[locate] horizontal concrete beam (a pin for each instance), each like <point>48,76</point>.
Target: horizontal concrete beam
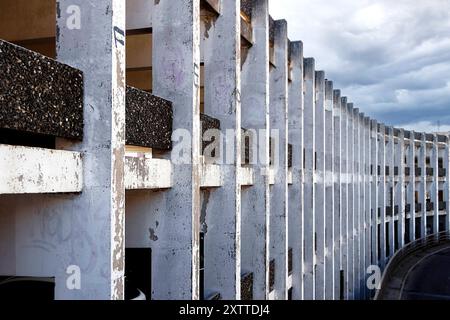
<point>290,177</point>
<point>211,176</point>
<point>246,176</point>
<point>142,173</point>
<point>25,170</point>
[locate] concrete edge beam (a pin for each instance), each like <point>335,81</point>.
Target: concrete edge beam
<point>26,170</point>
<point>147,174</point>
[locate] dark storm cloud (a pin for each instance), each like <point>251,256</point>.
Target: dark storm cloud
<point>391,58</point>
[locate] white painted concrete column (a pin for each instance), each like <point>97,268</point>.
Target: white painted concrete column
<point>374,185</point>
<point>411,196</point>
<point>368,202</point>
<point>308,195</point>
<point>222,208</point>
<point>423,185</point>
<point>337,180</point>
<point>446,161</point>
<point>295,219</point>
<point>255,115</point>
<point>374,188</point>
<point>96,217</point>
<point>390,191</point>
<point>279,191</point>
<point>400,188</point>
<point>169,222</point>
<point>351,201</point>
<point>345,190</point>
<point>356,202</point>
<point>434,192</point>
<point>382,193</point>
<point>319,196</point>
<point>390,153</point>
<point>361,211</point>
<point>330,215</point>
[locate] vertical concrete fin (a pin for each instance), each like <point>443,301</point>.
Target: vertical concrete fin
<point>102,60</point>
<point>279,104</point>
<point>309,169</point>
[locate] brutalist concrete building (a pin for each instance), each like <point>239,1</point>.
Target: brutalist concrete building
<point>108,111</point>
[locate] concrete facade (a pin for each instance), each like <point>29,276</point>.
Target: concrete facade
<point>302,197</point>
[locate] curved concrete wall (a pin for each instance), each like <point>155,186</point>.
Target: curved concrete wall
<point>331,194</point>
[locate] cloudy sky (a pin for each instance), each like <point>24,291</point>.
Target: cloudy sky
<point>391,58</point>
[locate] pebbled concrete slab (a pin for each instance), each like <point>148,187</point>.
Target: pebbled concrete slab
<point>208,123</point>
<point>148,120</point>
<point>39,94</point>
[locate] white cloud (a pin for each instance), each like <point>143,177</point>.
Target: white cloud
<point>426,126</point>
<point>391,58</point>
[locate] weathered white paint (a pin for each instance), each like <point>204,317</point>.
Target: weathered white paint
<point>290,177</point>
<point>362,206</point>
<point>146,174</point>
<point>102,60</point>
<point>279,104</point>
<point>332,202</point>
<point>390,194</point>
<point>211,176</point>
<point>319,195</point>
<point>446,160</point>
<point>382,193</point>
<point>351,200</point>
<point>329,194</point>
<point>246,176</point>
<point>411,191</point>
<point>361,213</point>
<point>345,190</point>
<point>423,185</point>
<point>255,114</point>
<point>308,195</point>
<point>222,65</point>
<point>295,174</point>
<point>374,191</point>
<point>271,176</point>
<point>434,192</point>
<point>356,201</point>
<point>337,179</point>
<point>400,188</point>
<point>176,212</point>
<point>289,282</point>
<point>368,204</point>
<point>25,170</point>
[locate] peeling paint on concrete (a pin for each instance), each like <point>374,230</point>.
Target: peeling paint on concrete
<point>146,174</point>
<point>35,170</point>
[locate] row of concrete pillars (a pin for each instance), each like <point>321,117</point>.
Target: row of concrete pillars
<point>354,193</point>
